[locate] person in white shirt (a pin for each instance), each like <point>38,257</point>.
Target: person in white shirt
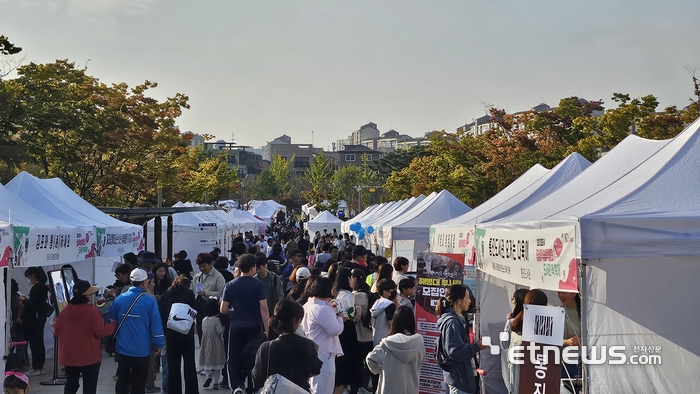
<point>262,245</point>
<point>207,283</point>
<point>400,269</point>
<point>323,325</point>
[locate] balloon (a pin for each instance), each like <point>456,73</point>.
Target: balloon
<point>361,236</point>
<point>370,230</point>
<point>355,227</point>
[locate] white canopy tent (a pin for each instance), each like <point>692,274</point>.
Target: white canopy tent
<point>194,232</point>
<point>246,222</point>
<point>55,199</point>
<point>264,210</point>
<point>415,223</point>
<point>36,239</point>
<point>324,221</point>
<point>345,227</point>
<point>273,203</point>
<point>387,212</point>
<point>633,221</point>
<point>457,235</point>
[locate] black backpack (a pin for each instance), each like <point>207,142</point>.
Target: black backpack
<point>441,358</point>
<point>367,317</point>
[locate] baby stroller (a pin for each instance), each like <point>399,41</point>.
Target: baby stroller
<point>18,358</point>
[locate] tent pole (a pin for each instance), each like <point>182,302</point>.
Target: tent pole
<point>8,295</point>
<point>170,239</point>
<point>584,320</point>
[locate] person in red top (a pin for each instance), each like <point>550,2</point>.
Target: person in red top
<point>80,329</point>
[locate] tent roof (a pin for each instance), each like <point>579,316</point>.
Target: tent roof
<point>641,199</point>
<point>57,200</point>
<point>326,217</point>
<point>442,206</point>
<point>532,186</point>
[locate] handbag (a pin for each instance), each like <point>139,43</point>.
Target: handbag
<point>111,344</point>
<point>278,384</point>
<point>181,318</point>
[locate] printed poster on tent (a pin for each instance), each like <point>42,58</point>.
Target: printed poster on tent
<point>543,258</point>
<point>87,245</point>
<point>436,272</point>
<point>454,240</point>
<point>404,248</point>
<point>6,242</point>
<point>42,246</point>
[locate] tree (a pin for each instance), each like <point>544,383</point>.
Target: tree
<point>274,183</point>
<point>397,160</point>
<point>319,174</point>
<point>111,144</point>
<point>202,173</point>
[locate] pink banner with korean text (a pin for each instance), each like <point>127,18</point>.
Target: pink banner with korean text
<point>542,258</point>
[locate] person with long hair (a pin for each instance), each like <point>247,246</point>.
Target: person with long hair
<point>180,347</point>
<point>34,317</point>
<point>398,357</point>
<point>572,328</point>
<point>454,338</point>
<point>323,326</point>
<point>533,297</point>
<point>160,279</point>
<point>363,328</point>
<point>273,357</point>
<point>516,302</point>
<point>80,328</point>
<point>386,271</point>
<point>346,371</point>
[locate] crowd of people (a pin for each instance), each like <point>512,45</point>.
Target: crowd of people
<point>320,312</point>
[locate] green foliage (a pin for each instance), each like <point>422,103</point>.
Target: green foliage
<point>319,174</point>
<point>274,183</point>
<point>8,48</point>
<point>201,174</point>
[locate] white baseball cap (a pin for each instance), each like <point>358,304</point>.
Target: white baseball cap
<point>138,275</point>
<point>303,273</point>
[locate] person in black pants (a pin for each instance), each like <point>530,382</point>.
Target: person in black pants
<point>180,346</point>
<point>245,301</point>
<point>34,318</point>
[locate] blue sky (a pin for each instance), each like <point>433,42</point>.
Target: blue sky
<point>259,69</point>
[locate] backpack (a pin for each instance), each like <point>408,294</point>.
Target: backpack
<point>367,317</point>
<point>441,358</point>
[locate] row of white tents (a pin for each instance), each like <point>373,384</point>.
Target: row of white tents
<point>200,231</point>
<point>623,232</point>
<point>406,220</point>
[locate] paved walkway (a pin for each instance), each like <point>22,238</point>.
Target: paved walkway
<point>105,383</point>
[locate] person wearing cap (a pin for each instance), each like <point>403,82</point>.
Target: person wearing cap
<point>80,328</point>
<point>140,335</point>
<point>359,258</point>
<point>302,274</point>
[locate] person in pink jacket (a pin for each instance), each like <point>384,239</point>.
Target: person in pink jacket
<point>323,325</point>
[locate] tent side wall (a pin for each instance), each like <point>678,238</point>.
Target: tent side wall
<point>644,302</point>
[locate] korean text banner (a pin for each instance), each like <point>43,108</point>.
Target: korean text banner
<point>436,273</point>
<point>454,239</point>
<point>543,259</point>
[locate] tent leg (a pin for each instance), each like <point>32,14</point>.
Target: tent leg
<point>169,239</point>
<point>584,320</point>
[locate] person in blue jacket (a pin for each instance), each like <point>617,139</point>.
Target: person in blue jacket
<point>140,335</point>
<point>454,336</point>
